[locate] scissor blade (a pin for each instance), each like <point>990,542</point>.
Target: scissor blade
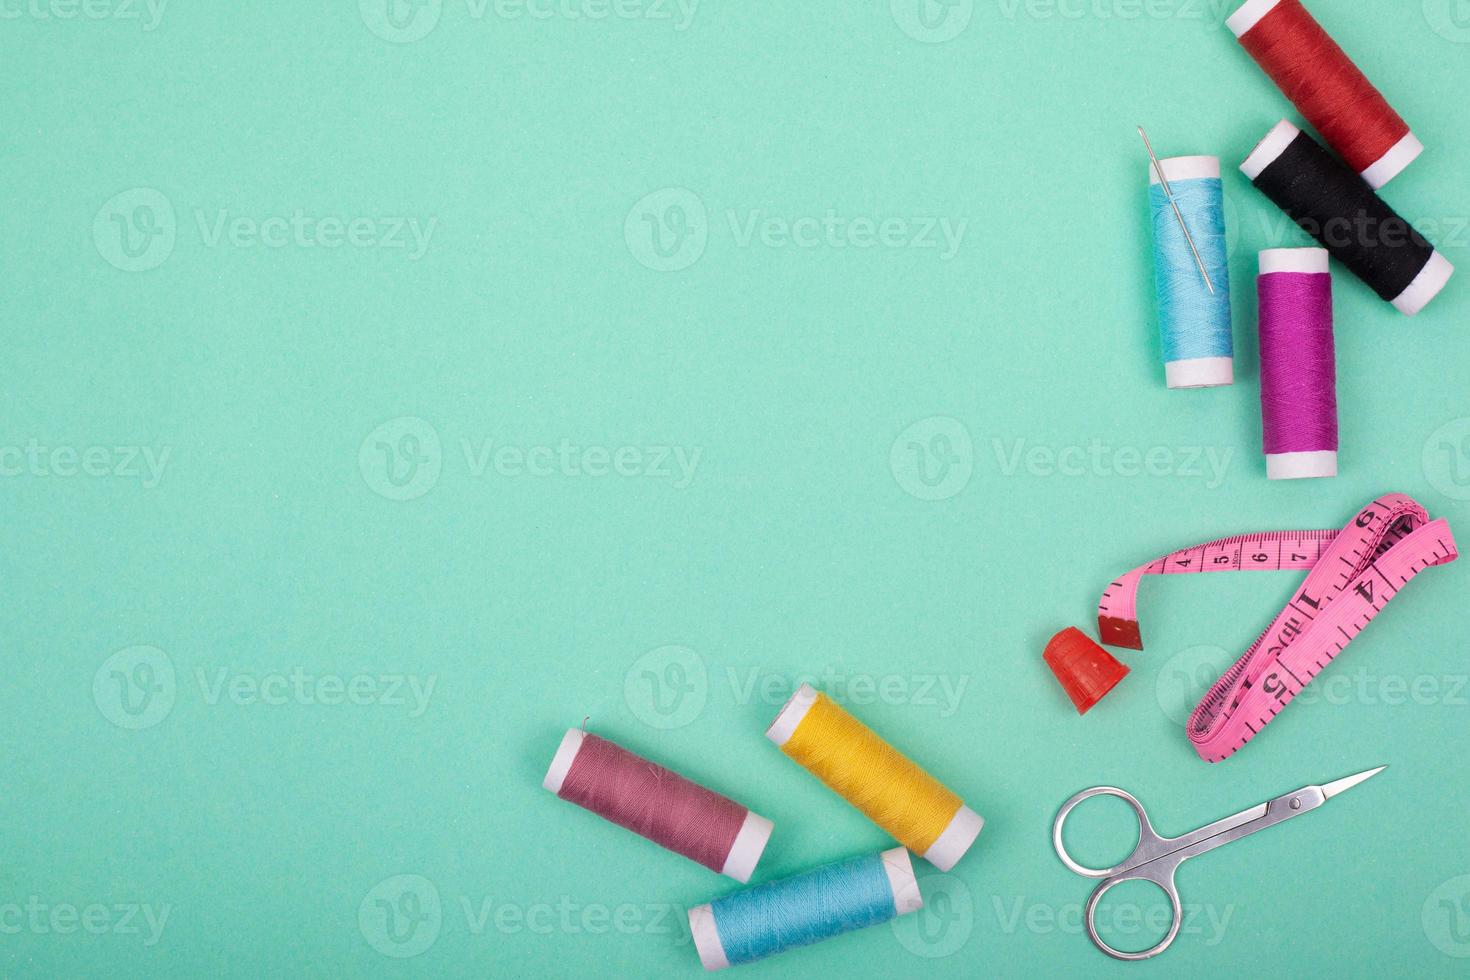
<point>1348,782</point>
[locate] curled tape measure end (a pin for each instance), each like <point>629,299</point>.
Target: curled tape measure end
<point>1119,632</point>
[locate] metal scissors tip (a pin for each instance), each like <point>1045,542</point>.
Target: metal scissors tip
<point>1348,782</point>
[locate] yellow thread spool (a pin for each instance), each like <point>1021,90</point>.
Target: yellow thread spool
<point>873,776</point>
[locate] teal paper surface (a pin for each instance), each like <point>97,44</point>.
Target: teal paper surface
<point>389,386</point>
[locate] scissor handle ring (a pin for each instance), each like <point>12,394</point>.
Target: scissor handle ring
<point>1118,954</point>
<point>1145,831</point>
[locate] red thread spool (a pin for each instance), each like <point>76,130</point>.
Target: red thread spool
<point>658,803</point>
<point>1329,90</point>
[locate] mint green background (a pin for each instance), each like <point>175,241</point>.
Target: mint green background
<point>794,550</point>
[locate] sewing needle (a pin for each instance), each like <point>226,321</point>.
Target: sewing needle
<point>1169,193</point>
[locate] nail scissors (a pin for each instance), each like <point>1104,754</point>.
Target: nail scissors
<point>1156,858</point>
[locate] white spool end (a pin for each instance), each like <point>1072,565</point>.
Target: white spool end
<point>1392,163</point>
<point>900,870</point>
<point>707,938</point>
<point>791,715</point>
<point>1186,168</point>
<point>1200,372</point>
<point>561,763</point>
<point>1269,149</point>
<point>1426,285</point>
<point>1301,466</point>
<point>1309,261</point>
<point>1248,15</point>
<point>749,844</point>
<point>956,839</point>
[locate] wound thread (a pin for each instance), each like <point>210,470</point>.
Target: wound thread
<point>1298,364</point>
<point>892,791</point>
<point>804,909</point>
<point>1329,90</point>
<point>1334,206</point>
<point>1194,324</point>
<point>659,804</point>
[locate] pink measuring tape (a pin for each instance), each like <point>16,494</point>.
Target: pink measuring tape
<point>1354,572</point>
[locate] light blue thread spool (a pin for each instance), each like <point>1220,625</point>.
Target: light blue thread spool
<point>1194,325</point>
<point>805,908</point>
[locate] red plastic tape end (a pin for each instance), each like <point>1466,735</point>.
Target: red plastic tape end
<point>1120,632</point>
<point>1085,670</point>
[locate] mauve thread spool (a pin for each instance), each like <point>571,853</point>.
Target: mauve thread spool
<point>1298,364</point>
<point>1329,90</point>
<point>1335,206</point>
<point>658,804</point>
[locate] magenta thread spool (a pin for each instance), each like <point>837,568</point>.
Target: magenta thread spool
<point>1298,364</point>
<point>658,804</point>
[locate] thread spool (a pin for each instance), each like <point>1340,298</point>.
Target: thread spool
<point>805,908</point>
<point>1329,90</point>
<point>657,803</point>
<point>873,776</point>
<point>1298,364</point>
<point>1194,324</point>
<point>1348,218</point>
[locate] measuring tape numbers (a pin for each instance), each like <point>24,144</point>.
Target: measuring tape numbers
<point>1353,574</point>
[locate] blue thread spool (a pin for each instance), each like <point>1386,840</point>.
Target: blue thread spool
<point>805,908</point>
<point>1194,326</point>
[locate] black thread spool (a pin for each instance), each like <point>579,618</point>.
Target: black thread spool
<point>1339,209</point>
